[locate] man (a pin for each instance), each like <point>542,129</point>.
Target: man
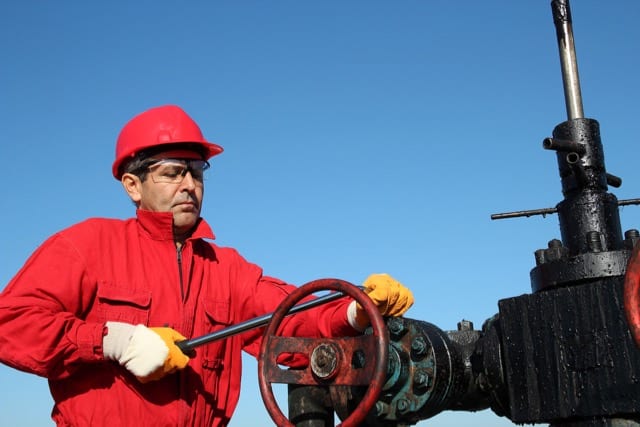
<point>97,309</point>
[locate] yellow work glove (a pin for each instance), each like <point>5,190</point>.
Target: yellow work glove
<point>390,296</point>
<point>175,360</point>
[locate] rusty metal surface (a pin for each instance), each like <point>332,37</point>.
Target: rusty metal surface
<point>632,294</point>
<point>343,373</point>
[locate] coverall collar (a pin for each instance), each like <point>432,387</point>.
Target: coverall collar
<point>159,226</point>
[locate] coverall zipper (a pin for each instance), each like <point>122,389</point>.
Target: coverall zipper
<point>179,256</point>
<point>180,378</point>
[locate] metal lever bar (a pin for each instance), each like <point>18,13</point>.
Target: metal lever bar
<point>187,346</point>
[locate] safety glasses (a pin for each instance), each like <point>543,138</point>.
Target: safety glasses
<point>173,171</point>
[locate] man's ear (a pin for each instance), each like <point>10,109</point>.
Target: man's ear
<point>133,186</point>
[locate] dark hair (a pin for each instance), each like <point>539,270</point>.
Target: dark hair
<point>137,166</point>
<point>140,162</point>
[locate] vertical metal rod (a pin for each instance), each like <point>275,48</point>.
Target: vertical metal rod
<point>571,82</point>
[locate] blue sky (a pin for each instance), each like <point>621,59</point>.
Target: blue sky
<point>360,136</point>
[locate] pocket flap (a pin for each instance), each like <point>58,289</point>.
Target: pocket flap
<point>118,295</point>
<point>217,311</point>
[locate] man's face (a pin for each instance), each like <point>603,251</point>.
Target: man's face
<point>172,185</point>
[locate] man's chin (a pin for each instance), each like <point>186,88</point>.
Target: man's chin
<point>185,221</point>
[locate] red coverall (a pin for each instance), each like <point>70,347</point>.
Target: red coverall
<point>52,317</point>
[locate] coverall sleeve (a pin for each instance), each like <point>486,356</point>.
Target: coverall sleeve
<point>41,330</point>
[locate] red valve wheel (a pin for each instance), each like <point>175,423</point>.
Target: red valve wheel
<point>330,359</point>
<point>632,293</point>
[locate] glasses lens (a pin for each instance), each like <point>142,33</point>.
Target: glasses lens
<point>173,171</point>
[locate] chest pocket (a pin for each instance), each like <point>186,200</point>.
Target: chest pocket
<point>122,304</point>
<point>217,317</point>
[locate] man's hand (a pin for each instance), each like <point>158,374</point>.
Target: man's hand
<point>390,296</point>
<point>148,353</point>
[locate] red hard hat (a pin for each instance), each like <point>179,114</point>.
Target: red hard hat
<point>168,124</point>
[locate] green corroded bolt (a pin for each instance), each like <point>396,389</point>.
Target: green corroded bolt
<point>402,405</point>
<point>396,326</point>
<point>419,346</point>
<point>421,379</point>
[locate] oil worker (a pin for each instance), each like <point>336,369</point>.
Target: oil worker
<point>98,307</point>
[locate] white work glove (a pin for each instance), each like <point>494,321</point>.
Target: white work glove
<point>390,296</point>
<point>148,353</point>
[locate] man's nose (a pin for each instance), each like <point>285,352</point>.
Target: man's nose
<point>188,182</point>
